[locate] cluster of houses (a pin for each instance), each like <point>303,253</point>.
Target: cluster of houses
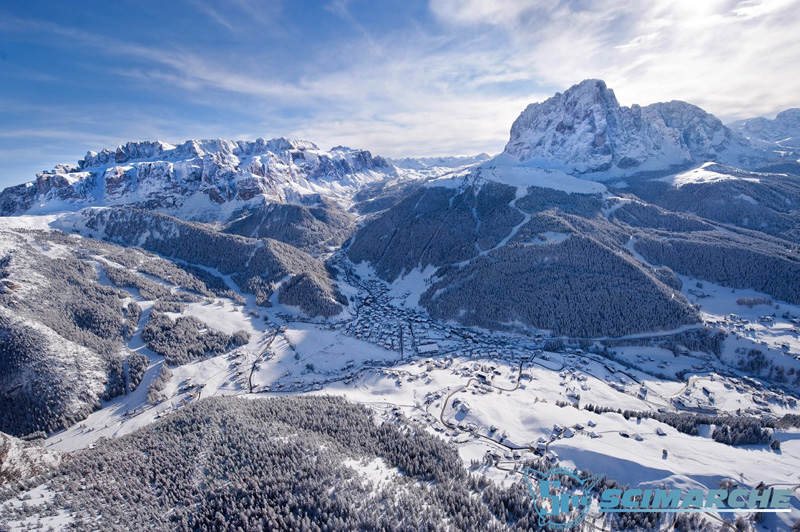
<point>412,333</point>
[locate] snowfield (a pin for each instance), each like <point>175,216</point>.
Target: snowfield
<point>704,174</point>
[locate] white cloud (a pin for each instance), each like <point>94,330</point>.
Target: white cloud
<point>504,12</point>
<point>459,127</point>
<point>411,92</point>
<point>733,58</point>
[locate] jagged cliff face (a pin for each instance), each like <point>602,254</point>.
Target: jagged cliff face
<point>584,130</point>
<point>196,175</point>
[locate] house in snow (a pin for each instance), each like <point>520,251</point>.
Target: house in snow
<point>541,448</point>
<point>426,349</point>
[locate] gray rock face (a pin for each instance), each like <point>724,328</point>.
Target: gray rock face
<point>585,130</point>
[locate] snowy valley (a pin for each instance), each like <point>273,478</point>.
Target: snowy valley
<point>618,293</point>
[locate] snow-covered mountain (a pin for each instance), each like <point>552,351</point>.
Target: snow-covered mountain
<point>783,130</point>
<point>204,179</point>
<point>533,219</point>
<point>209,180</point>
<point>584,130</point>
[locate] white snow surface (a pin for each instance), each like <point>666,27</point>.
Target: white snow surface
<point>706,173</point>
<point>290,356</point>
<point>505,169</point>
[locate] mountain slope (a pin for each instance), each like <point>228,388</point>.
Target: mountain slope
<point>61,339</point>
<point>765,201</point>
<point>528,257</point>
<point>20,460</point>
<point>314,227</point>
<point>256,266</point>
<point>526,241</point>
<point>288,190</point>
<point>290,463</point>
<point>73,315</point>
<point>432,163</point>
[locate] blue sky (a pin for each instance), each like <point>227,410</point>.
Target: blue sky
<point>399,78</point>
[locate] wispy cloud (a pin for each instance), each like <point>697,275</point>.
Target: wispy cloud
<point>397,98</point>
<point>187,69</point>
<point>241,16</point>
<point>730,57</point>
<point>213,14</point>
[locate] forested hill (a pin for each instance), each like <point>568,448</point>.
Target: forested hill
<point>292,463</point>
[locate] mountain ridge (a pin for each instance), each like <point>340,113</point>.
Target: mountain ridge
<point>210,179</point>
<point>583,131</point>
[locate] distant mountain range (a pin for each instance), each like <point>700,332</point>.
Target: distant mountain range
<point>197,179</point>
<point>582,132</point>
<point>783,131</point>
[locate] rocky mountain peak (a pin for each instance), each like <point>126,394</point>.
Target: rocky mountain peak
<point>585,130</point>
